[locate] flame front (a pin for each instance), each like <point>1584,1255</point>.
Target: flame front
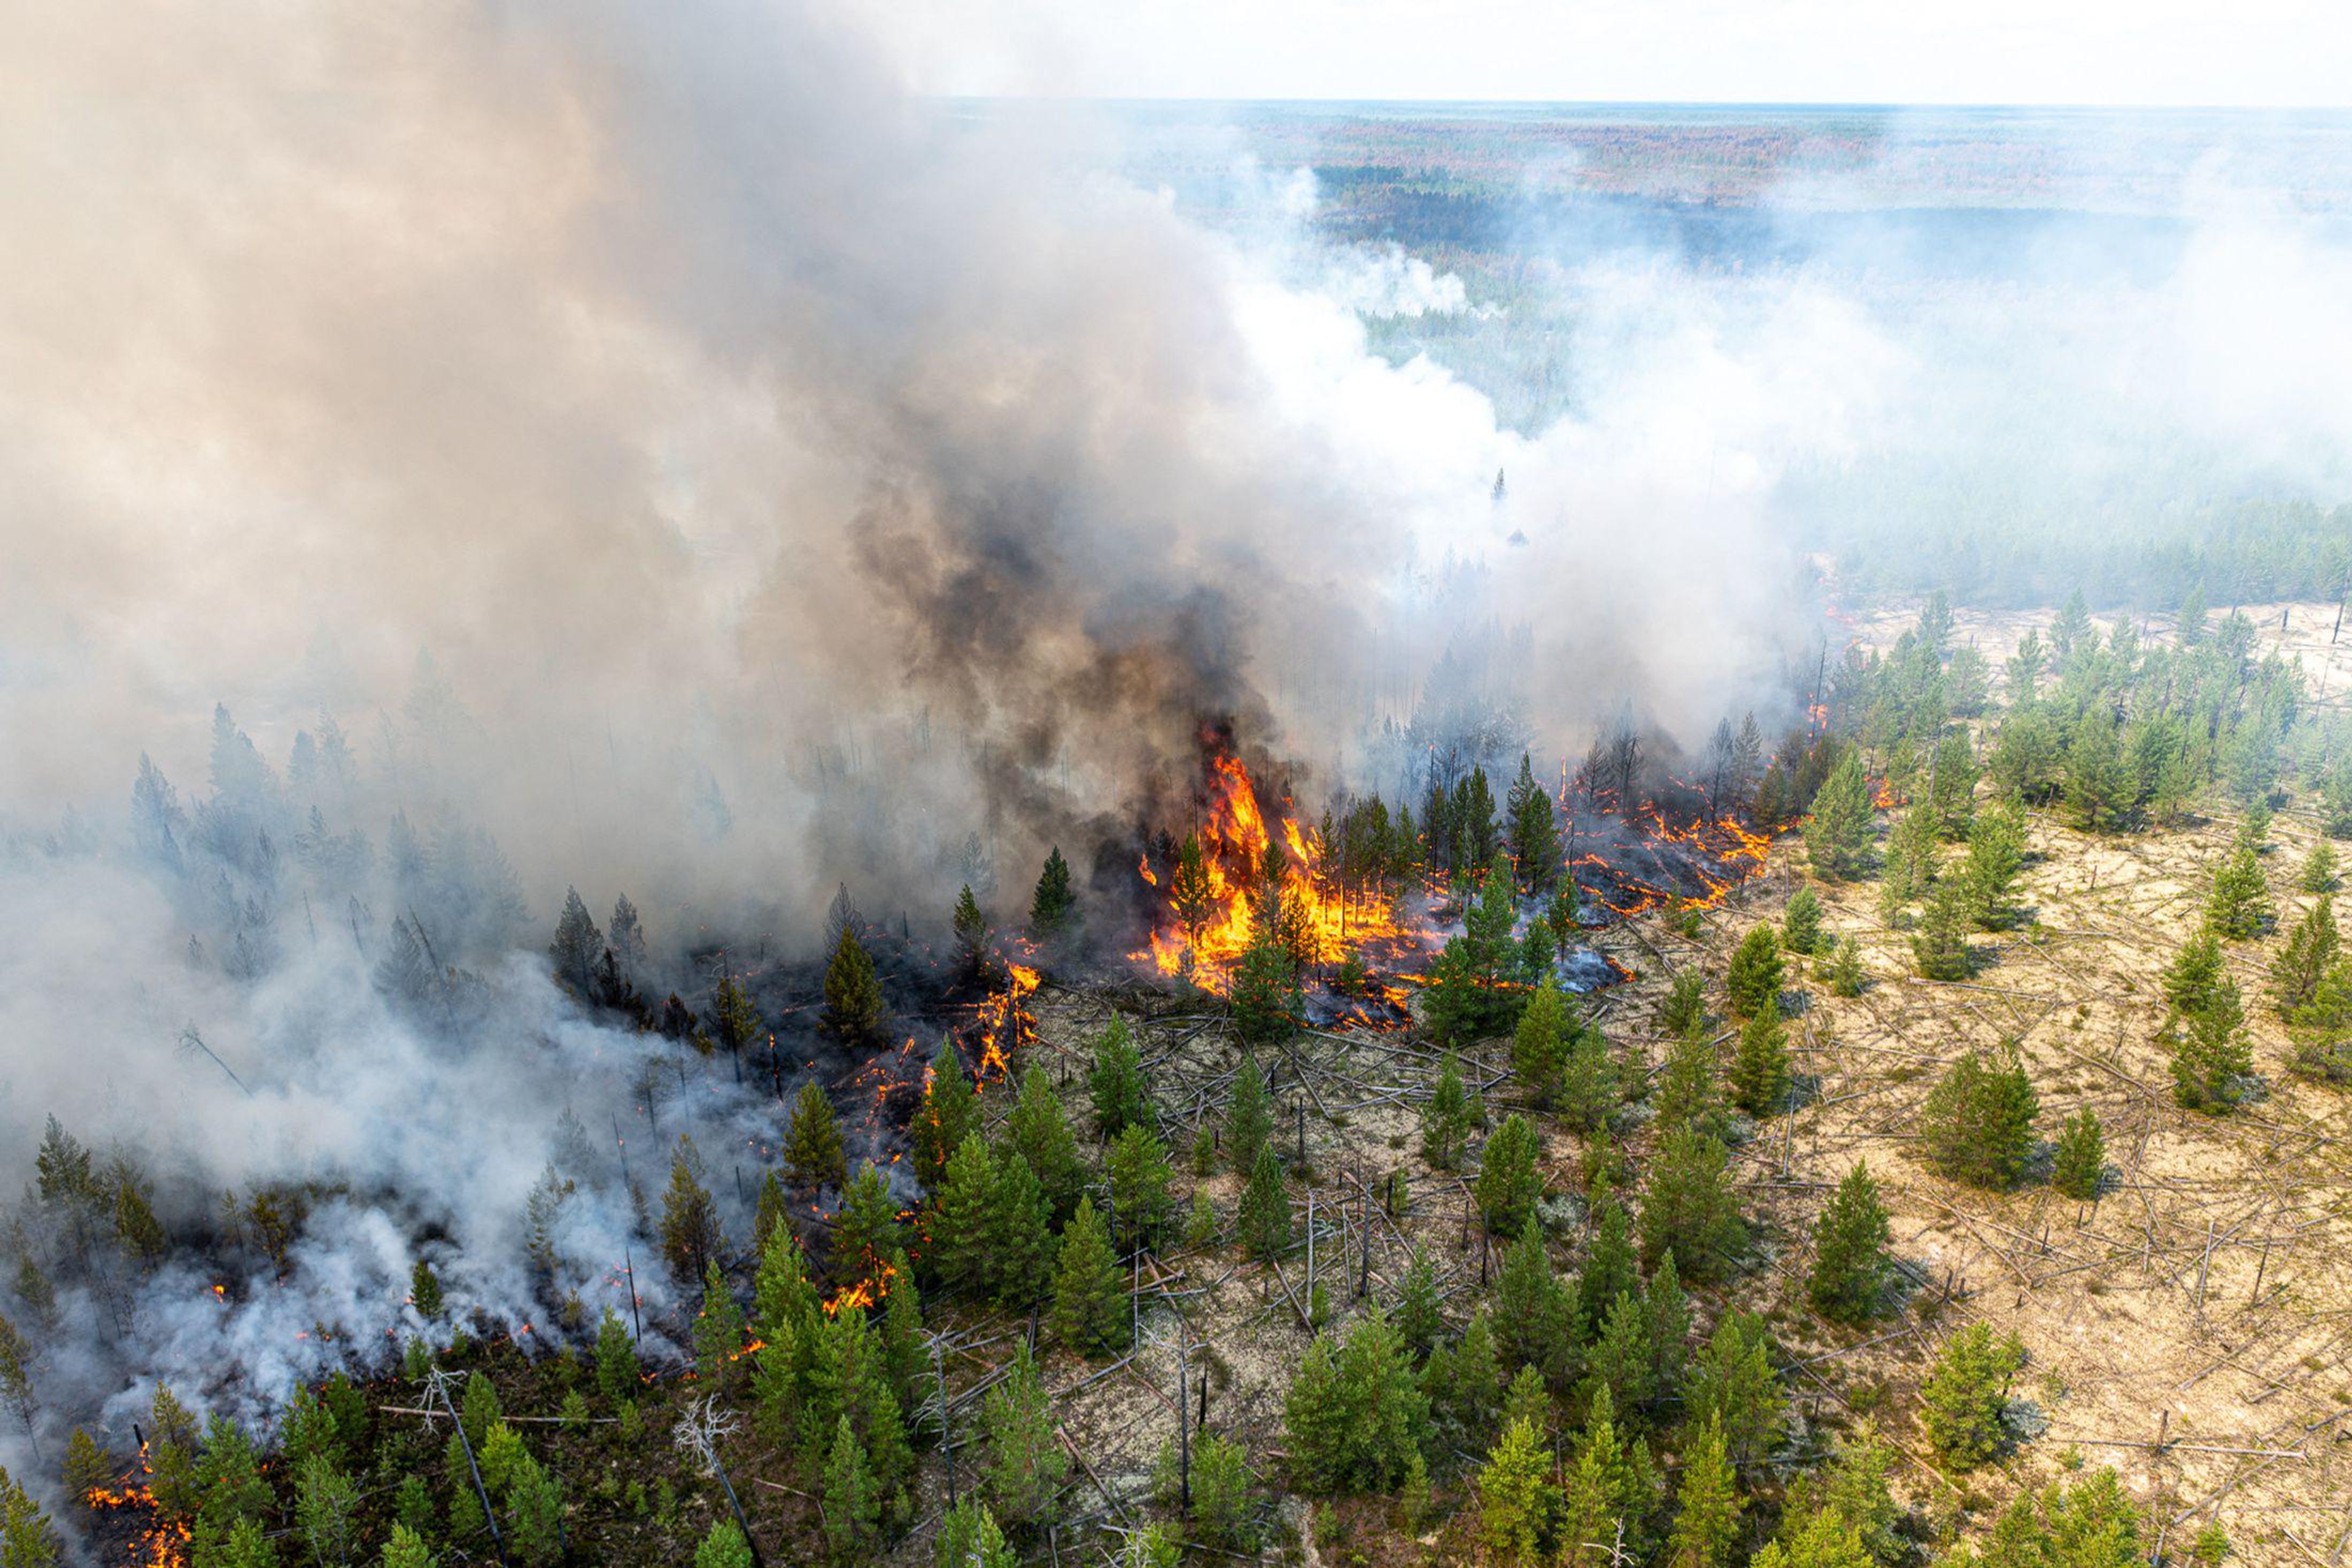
<point>1329,918</point>
<point>161,1542</point>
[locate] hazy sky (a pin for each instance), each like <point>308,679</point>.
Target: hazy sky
<point>2268,53</point>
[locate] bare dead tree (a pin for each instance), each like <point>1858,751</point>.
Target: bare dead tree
<point>697,1433</point>
<point>192,1043</point>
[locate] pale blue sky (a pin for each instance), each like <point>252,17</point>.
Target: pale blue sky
<point>2265,53</point>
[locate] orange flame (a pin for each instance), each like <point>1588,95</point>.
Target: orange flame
<point>1329,917</point>
<point>162,1543</point>
<point>866,1292</point>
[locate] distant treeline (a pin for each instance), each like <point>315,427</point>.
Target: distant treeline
<point>2251,552</point>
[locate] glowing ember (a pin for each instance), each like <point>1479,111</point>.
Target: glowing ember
<point>162,1543</point>
<point>1717,855</point>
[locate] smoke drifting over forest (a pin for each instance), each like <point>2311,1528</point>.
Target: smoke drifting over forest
<point>685,465</point>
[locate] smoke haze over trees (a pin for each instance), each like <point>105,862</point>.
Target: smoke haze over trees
<point>456,457</point>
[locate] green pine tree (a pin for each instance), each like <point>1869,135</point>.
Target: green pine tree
<point>325,1500</point>
<point>690,1236</point>
<point>2322,1028</point>
<point>852,1502</point>
<point>2082,1159</point>
<point>1609,1268</point>
<point>865,1229</point>
<point>87,1466</point>
<point>616,1361</point>
<point>2303,961</point>
<point>1538,1052</point>
<point>1249,1116</point>
<point>1707,1505</point>
<point>940,1121</point>
<point>1265,1000</point>
<point>904,1351</point>
<point>1515,1496</point>
<point>2212,1057</point>
<point>1989,873</point>
<point>1848,1284</point>
<point>1976,1124</point>
<point>1853,1488</point>
<point>1760,1072</point>
<point>813,1152</point>
<point>1447,1118</point>
<point>734,1021</point>
<point>1464,1382</point>
<point>1964,1396</point>
<point>854,1010</point>
<point>717,1329</point>
<point>1089,1303</point>
<point>1608,1493</point>
<point>1822,1540</point>
<point>1941,948</point>
<point>2319,871</point>
<point>1534,836</point>
<point>247,1546</point>
<point>971,928</point>
<point>1220,1494</point>
<point>1912,863</point>
<point>1839,834</point>
<point>1355,1416</point>
<point>2238,907</point>
<point>1845,975</point>
<point>1535,1311</point>
<point>1800,923</point>
<point>1138,1173</point>
<point>969,1538</point>
<point>1690,1208</point>
<point>405,1548</point>
<point>1472,994</point>
<point>1690,1088</point>
<point>723,1547</point>
<point>1589,1088</point>
<point>1038,1129</point>
<point>1420,1315</point>
<point>2191,980</point>
<point>1019,1241</point>
<point>1754,980</point>
<point>1952,804</point>
<point>425,1290</point>
<point>1114,1082</point>
<point>1054,907</point>
<point>1025,1465</point>
<point>27,1539</point>
<point>1508,1183</point>
<point>1734,1385</point>
<point>959,1223</point>
<point>1264,1220</point>
<point>535,1514</point>
<point>2100,790</point>
<point>1683,1010</point>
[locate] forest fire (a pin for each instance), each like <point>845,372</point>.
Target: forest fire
<point>1213,893</point>
<point>1232,875</point>
<point>1653,864</point>
<point>1004,1026</point>
<point>866,1292</point>
<point>156,1542</point>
